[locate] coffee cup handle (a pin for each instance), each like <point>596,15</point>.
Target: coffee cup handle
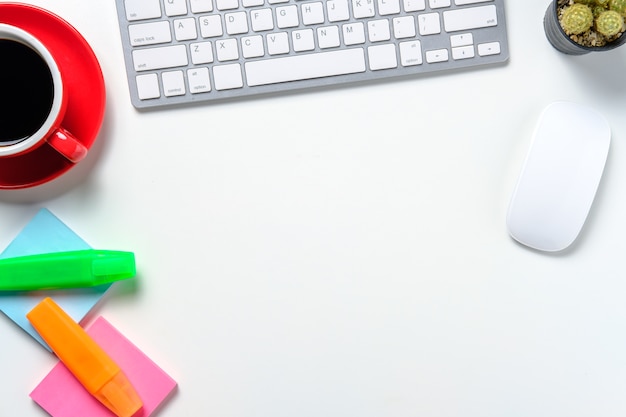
<point>67,145</point>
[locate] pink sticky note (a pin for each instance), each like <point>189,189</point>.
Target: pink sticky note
<point>61,395</point>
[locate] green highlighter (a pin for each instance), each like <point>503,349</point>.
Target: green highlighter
<point>61,270</point>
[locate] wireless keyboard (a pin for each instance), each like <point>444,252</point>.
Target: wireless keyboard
<point>184,51</point>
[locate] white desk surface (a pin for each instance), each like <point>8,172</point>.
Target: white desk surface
<point>344,252</point>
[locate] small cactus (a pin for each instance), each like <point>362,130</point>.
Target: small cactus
<point>605,18</point>
<point>619,6</point>
<point>609,23</point>
<point>577,18</point>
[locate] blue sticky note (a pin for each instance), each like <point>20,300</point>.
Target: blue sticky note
<point>45,233</point>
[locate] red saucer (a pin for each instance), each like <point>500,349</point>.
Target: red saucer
<point>81,72</point>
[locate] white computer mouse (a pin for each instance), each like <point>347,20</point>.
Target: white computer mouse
<point>560,177</point>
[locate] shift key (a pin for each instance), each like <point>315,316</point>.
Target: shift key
<point>470,18</point>
<point>158,58</point>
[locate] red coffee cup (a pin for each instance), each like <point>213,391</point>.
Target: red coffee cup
<point>34,102</point>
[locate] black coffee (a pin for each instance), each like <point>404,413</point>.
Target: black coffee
<point>26,92</point>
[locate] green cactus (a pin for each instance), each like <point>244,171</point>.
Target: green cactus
<point>609,23</point>
<point>577,19</point>
<point>597,11</point>
<point>605,17</point>
<point>619,6</point>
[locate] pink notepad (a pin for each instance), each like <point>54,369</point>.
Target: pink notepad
<point>61,395</point>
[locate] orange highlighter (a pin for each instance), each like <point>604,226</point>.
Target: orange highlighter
<point>93,368</point>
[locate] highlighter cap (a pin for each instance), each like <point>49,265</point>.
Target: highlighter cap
<point>119,396</point>
<point>113,266</point>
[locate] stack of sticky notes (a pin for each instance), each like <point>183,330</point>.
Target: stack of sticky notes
<point>55,280</point>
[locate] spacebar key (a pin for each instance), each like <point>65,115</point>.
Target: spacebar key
<point>304,67</point>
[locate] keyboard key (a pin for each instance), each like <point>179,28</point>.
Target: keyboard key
<point>201,53</point>
<point>313,13</point>
<point>414,5</point>
<point>410,53</point>
<point>491,48</point>
<point>363,8</point>
<point>236,23</point>
<point>278,43</point>
<point>471,18</point>
<point>464,2</point>
<point>353,33</point>
<point>463,52</point>
<point>252,46</point>
<point>199,81</point>
<point>463,39</point>
<point>404,27</point>
<point>387,7</point>
<point>302,67</point>
<point>302,40</point>
<point>211,26</point>
<point>337,10</point>
<point>201,6</point>
<point>328,37</point>
<point>437,55</point>
<point>142,9</point>
<point>287,17</point>
<point>148,86</point>
<point>382,57</point>
<point>429,24</point>
<point>262,19</point>
<point>378,30</point>
<point>227,50</point>
<point>173,83</point>
<point>149,33</point>
<point>185,29</point>
<point>227,77</point>
<point>438,4</point>
<point>175,7</point>
<point>227,4</point>
<point>157,58</point>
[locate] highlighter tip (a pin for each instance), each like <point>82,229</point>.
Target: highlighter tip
<point>120,397</point>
